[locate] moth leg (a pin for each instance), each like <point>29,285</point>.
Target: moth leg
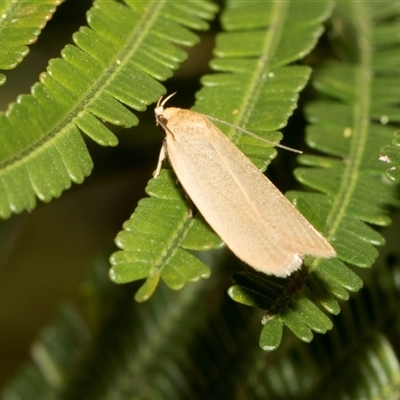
<point>161,158</point>
<point>192,207</point>
<point>163,155</point>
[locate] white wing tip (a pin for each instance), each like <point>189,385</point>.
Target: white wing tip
<point>293,263</point>
<point>283,270</point>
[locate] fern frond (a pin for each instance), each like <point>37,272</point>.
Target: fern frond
<point>344,125</point>
<point>115,63</point>
<point>255,90</point>
<point>20,25</point>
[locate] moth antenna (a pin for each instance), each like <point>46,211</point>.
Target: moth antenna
<point>165,100</point>
<point>252,134</point>
<point>161,103</point>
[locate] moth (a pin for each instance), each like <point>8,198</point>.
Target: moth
<point>254,219</point>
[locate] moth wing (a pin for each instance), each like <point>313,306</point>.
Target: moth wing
<point>245,209</point>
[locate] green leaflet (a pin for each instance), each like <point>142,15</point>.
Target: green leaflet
<point>156,246</point>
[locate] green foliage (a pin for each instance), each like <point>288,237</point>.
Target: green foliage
<point>340,127</point>
<point>142,352</point>
<point>196,343</point>
<point>345,125</point>
<point>255,90</point>
<point>156,240</point>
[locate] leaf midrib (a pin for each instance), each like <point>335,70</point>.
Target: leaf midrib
<point>361,111</point>
<point>272,38</point>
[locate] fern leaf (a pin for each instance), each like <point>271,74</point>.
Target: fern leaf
<point>20,25</point>
<point>354,192</point>
<point>350,187</point>
<point>255,90</point>
<point>157,247</point>
<point>115,64</point>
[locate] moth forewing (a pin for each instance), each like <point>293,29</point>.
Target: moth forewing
<point>254,219</point>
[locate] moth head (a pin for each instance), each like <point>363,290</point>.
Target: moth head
<point>159,110</point>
